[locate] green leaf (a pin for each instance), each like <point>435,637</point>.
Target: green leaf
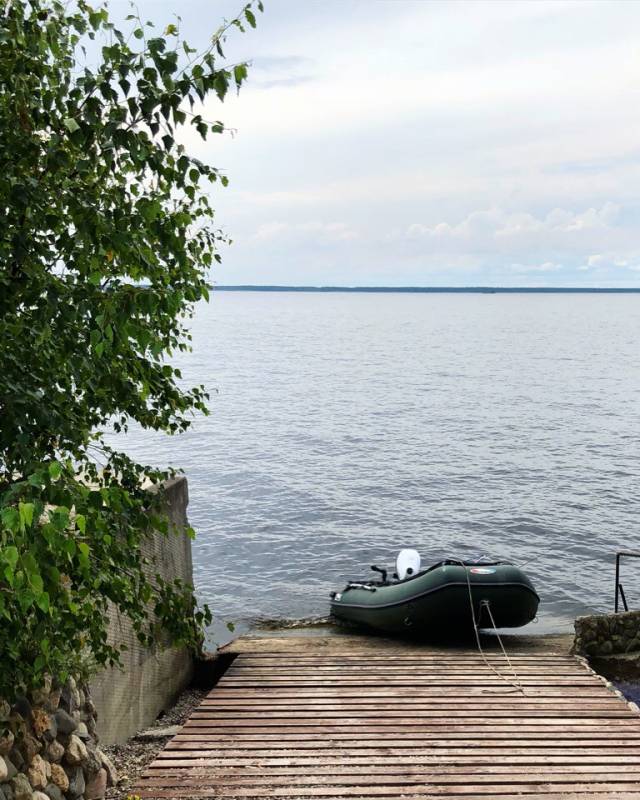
<point>55,470</point>
<point>43,603</point>
<point>71,125</point>
<point>10,556</point>
<point>81,522</point>
<point>26,513</point>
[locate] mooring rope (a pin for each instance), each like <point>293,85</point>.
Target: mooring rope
<point>515,683</point>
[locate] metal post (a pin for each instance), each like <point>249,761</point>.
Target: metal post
<point>619,589</point>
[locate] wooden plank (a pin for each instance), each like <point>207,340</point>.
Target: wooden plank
<point>446,748</point>
<point>627,791</point>
<point>380,714</point>
<point>423,779</point>
<point>337,725</point>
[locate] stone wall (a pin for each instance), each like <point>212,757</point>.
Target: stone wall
<point>49,740</point>
<point>608,634</point>
<point>48,747</point>
<point>131,699</point>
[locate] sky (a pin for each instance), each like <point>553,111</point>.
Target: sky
<point>406,142</point>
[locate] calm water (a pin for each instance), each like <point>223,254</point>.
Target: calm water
<point>347,426</point>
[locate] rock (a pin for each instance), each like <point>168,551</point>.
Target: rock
<point>107,764</point>
<point>92,763</point>
<point>16,756</point>
<point>606,648</point>
<point>22,707</point>
<point>40,796</point>
<point>53,793</point>
<point>40,696</point>
<point>160,733</point>
<point>6,742</point>
<point>41,722</point>
<point>5,710</point>
<point>37,772</point>
<point>4,770</point>
<point>70,698</point>
<point>65,722</point>
<point>91,727</point>
<point>82,731</point>
<point>11,768</point>
<point>96,787</point>
<point>76,783</point>
<point>21,787</point>
<point>76,752</point>
<point>89,707</point>
<point>59,777</point>
<point>29,747</point>
<point>54,752</point>
<point>54,700</point>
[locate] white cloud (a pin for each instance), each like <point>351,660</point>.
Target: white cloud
<point>430,142</point>
<point>313,230</point>
<point>495,224</point>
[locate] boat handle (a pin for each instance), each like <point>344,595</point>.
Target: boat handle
<point>383,572</point>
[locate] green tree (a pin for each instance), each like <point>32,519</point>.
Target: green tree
<point>106,238</point>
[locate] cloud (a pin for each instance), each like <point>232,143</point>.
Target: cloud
<point>547,266</point>
<point>496,224</point>
<point>312,231</point>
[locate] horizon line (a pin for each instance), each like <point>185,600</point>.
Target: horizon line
<point>430,289</point>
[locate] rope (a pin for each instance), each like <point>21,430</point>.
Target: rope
<point>515,683</point>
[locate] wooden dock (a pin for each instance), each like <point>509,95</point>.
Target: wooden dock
<point>311,718</point>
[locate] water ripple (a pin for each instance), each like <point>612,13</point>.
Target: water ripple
<point>346,427</point>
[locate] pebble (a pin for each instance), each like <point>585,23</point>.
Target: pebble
<point>53,793</point>
<point>4,770</point>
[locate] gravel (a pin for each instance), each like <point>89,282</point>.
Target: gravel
<point>132,758</point>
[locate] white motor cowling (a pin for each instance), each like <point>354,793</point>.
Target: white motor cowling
<point>407,563</point>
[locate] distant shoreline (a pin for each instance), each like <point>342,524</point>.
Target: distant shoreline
<point>430,289</point>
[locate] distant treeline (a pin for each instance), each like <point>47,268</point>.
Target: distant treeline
<point>432,289</point>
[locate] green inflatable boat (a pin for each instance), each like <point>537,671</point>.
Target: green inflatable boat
<point>439,599</point>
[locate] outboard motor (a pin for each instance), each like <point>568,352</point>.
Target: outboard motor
<point>407,563</point>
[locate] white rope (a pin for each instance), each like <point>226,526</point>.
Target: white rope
<point>515,683</point>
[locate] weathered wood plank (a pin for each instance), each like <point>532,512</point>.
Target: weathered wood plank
<point>336,724</point>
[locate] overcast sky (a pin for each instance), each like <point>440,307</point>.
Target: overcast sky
<point>401,142</point>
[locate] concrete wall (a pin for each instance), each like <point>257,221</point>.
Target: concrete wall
<point>608,634</point>
<point>131,699</point>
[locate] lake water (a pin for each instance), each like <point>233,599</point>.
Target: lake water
<point>347,426</point>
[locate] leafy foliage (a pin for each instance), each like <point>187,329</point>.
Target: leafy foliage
<point>106,239</point>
